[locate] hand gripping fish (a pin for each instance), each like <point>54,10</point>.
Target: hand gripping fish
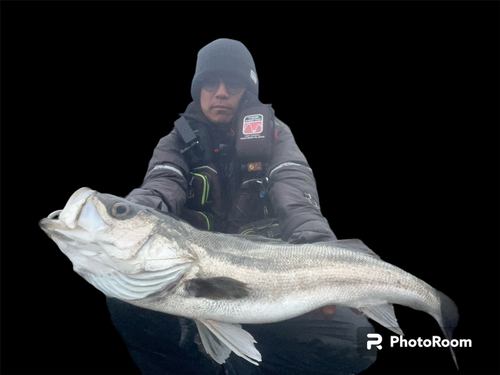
<point>155,261</point>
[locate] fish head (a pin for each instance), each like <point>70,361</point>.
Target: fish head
<point>104,235</point>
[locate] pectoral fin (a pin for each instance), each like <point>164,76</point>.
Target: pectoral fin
<point>383,314</point>
<point>128,287</point>
<point>219,339</point>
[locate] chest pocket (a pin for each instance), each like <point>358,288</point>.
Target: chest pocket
<point>197,210</point>
<point>205,191</point>
<point>199,190</point>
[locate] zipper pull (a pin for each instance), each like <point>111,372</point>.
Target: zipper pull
<point>311,200</point>
<point>263,186</point>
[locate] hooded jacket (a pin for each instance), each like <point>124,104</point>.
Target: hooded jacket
<point>291,189</point>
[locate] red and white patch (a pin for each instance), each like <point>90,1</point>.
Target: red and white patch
<point>253,124</point>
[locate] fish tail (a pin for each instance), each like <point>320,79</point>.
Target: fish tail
<point>448,319</point>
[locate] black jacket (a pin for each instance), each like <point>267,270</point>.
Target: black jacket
<point>291,188</point>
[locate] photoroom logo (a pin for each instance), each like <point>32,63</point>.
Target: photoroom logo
<point>376,340</point>
<point>369,342</point>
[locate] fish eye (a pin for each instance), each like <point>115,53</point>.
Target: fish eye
<point>120,210</point>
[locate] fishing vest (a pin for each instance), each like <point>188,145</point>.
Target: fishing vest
<point>248,210</point>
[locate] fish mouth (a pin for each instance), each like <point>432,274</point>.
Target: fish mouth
<point>76,212</point>
<point>74,230</point>
<point>81,234</point>
<point>74,206</point>
<point>70,211</point>
<point>73,226</point>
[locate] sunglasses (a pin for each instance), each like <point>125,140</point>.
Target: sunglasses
<point>234,86</point>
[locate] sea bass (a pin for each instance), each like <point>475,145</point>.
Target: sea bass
<point>156,261</point>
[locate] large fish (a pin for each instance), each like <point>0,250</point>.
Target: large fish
<point>155,261</point>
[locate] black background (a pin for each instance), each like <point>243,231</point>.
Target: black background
<point>395,106</point>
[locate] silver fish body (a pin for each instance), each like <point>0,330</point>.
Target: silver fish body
<point>155,261</point>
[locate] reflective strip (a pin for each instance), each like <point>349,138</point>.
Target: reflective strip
<point>167,167</point>
<point>288,164</point>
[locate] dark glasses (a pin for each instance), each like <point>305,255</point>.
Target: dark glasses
<point>234,86</point>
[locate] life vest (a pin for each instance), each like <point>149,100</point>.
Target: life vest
<point>206,206</point>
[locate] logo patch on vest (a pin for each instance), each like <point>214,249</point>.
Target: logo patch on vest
<point>253,125</point>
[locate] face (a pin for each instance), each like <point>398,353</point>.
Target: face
<point>220,99</point>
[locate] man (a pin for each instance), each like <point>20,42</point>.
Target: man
<point>231,166</point>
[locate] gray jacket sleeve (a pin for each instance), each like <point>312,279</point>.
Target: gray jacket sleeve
<point>293,192</point>
<point>165,185</point>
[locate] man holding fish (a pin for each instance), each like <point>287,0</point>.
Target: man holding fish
<point>229,165</point>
